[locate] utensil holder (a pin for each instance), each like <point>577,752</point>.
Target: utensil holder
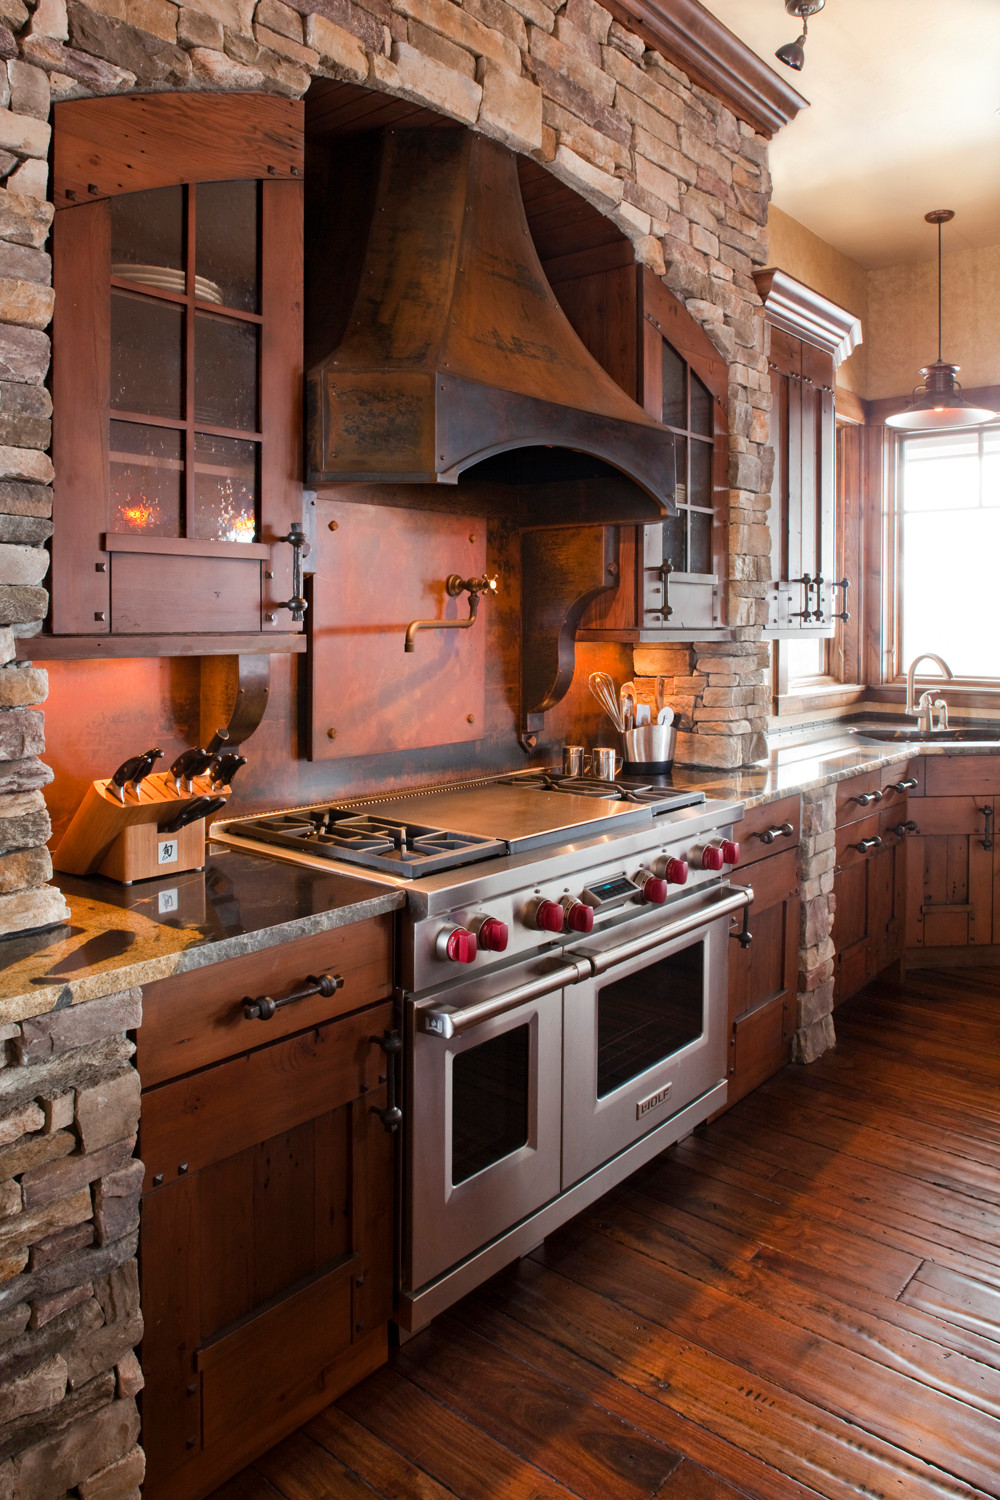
<point>649,749</point>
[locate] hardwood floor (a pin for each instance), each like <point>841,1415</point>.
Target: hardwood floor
<point>801,1299</point>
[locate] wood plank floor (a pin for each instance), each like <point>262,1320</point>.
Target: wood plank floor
<point>801,1299</point>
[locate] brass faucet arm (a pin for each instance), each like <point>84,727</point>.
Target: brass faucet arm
<point>454,585</point>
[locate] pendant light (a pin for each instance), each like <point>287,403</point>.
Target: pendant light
<point>792,54</point>
<point>939,402</point>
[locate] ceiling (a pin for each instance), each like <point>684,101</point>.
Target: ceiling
<point>904,117</point>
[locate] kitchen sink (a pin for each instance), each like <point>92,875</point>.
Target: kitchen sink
<point>909,733</point>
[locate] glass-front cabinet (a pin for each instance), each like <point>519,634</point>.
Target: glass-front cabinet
<point>177,368</point>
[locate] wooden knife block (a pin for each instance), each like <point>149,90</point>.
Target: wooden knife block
<point>125,841</point>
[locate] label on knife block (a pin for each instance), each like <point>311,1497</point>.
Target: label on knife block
<point>167,852</point>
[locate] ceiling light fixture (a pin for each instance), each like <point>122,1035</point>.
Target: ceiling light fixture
<point>792,53</point>
<point>939,401</point>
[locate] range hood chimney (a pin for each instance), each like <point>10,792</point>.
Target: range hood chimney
<point>456,348</point>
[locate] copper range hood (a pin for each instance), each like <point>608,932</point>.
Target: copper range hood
<point>456,349</point>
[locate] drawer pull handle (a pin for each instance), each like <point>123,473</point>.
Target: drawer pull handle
<point>867,798</point>
<point>908,784</point>
<point>770,834</point>
<point>263,1007</point>
<point>866,844</point>
<point>392,1044</point>
<point>902,829</point>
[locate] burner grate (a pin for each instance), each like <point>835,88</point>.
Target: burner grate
<point>385,844</point>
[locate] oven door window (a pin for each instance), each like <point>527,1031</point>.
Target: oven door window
<point>643,1019</point>
<point>490,1094</point>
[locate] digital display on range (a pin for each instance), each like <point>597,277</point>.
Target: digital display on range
<point>619,888</point>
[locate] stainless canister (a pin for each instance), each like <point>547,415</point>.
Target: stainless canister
<point>604,763</point>
<point>574,760</point>
<point>652,745</point>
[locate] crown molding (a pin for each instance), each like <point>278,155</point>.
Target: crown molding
<point>690,37</point>
<point>798,310</point>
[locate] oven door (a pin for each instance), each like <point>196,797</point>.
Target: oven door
<point>483,1109</point>
<point>646,1037</point>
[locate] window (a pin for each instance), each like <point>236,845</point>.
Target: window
<point>949,542</point>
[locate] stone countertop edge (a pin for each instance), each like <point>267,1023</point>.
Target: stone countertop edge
<point>112,975</point>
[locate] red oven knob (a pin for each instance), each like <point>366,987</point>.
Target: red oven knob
<point>711,857</point>
<point>730,852</point>
<point>675,871</point>
<point>492,935</point>
<point>547,916</point>
<point>459,945</point>
<point>579,916</point>
<point>654,889</point>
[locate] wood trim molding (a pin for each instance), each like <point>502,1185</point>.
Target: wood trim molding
<point>799,310</point>
<point>687,35</point>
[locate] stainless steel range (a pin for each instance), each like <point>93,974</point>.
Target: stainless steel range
<point>562,993</point>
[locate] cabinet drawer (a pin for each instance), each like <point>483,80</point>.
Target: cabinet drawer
<point>194,1019</point>
<point>947,776</point>
<point>761,820</point>
<point>760,1046</point>
<point>849,835</point>
<point>219,1111</point>
<point>944,817</point>
<point>881,787</point>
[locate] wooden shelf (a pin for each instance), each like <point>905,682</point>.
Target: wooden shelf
<point>111,647</point>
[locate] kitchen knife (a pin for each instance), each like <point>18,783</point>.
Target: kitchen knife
<point>189,764</point>
<point>225,769</point>
<point>201,807</point>
<point>133,771</point>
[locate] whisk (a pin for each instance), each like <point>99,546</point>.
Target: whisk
<point>606,693</point>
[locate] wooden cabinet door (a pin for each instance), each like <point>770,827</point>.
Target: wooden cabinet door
<point>177,369</point>
<point>950,879</point>
<point>266,1247</point>
<point>803,436</point>
<point>763,978</point>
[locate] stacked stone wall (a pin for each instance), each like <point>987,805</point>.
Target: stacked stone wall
<point>69,1289</point>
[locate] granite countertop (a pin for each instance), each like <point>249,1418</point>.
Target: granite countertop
<point>120,936</point>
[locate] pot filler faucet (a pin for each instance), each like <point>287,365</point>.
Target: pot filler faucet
<point>931,712</point>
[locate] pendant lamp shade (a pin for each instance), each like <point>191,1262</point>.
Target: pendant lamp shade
<point>939,402</point>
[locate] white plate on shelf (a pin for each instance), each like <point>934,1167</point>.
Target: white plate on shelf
<point>167,279</point>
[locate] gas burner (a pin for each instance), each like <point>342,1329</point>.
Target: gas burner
<point>660,798</point>
<point>397,848</point>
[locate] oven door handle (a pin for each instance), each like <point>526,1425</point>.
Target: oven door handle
<point>739,896</point>
<point>446,1021</point>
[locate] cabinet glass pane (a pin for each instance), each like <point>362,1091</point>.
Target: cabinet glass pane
<point>681,469</point>
<point>701,408</point>
<point>675,542</point>
<point>225,372</point>
<point>700,491</point>
<point>674,395</point>
<point>225,489</point>
<point>701,542</point>
<point>227,244</point>
<point>146,350</point>
<point>146,479</point>
<point>147,237</point>
<point>643,1020</point>
<point>490,1087</point>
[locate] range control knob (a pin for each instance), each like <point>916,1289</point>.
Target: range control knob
<point>579,916</point>
<point>730,852</point>
<point>547,916</point>
<point>711,857</point>
<point>458,945</point>
<point>492,934</point>
<point>654,889</point>
<point>675,871</point>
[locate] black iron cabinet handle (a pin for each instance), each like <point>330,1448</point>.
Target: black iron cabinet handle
<point>263,1007</point>
<point>391,1043</point>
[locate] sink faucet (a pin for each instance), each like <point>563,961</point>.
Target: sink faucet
<point>925,709</point>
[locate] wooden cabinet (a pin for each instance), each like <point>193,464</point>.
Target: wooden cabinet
<point>953,885</point>
<point>177,369</point>
<point>266,1240</point>
<point>672,572</point>
<point>809,337</point>
<point>869,880</point>
<point>763,978</point>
